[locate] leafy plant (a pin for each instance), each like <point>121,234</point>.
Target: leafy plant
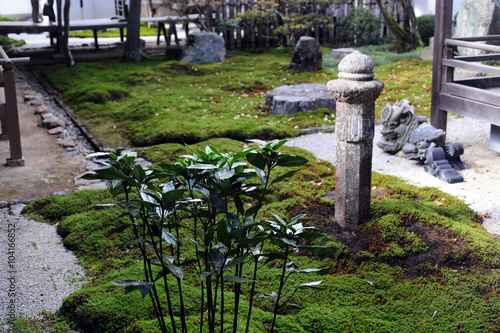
<point>199,216</point>
<point>360,27</point>
<point>425,25</point>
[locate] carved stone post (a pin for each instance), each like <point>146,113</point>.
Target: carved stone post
<point>355,92</point>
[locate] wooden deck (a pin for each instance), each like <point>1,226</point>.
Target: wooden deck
<point>97,24</point>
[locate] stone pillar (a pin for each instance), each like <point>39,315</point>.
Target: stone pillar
<point>355,93</point>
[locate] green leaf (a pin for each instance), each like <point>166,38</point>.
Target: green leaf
<point>118,229</point>
<point>139,173</point>
<point>236,279</point>
<point>91,176</point>
<point>101,154</point>
<point>291,160</point>
<point>262,175</point>
<point>176,271</point>
<point>310,286</point>
<point>290,242</point>
<point>236,261</point>
<point>216,259</point>
<point>209,236</point>
<point>318,250</point>
<point>198,245</point>
<point>319,271</point>
<point>275,144</point>
<point>284,176</point>
<point>223,233</point>
<point>218,202</point>
<point>144,287</point>
<point>257,159</point>
<point>260,143</point>
<point>291,266</point>
<point>225,173</point>
<point>204,275</point>
<point>202,166</point>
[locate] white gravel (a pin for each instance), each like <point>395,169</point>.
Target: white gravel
<point>36,271</point>
<point>481,186</point>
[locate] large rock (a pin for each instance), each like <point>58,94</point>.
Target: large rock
<point>302,97</point>
<point>307,55</point>
<point>204,47</point>
<point>477,18</point>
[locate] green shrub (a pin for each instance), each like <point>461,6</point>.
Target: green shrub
<point>425,25</point>
<point>360,27</point>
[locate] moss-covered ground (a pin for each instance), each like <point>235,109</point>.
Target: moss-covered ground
<point>158,101</point>
<point>421,263</point>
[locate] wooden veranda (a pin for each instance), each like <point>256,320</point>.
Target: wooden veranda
<point>477,97</point>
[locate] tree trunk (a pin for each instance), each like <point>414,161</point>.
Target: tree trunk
<point>406,33</point>
<point>131,52</point>
<point>67,52</point>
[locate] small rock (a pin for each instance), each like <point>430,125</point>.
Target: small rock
<point>66,143</point>
<point>55,130</point>
<point>36,103</point>
<point>50,123</point>
<point>41,110</point>
<point>47,115</point>
<point>29,97</point>
<point>16,209</point>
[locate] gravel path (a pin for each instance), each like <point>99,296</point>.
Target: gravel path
<point>481,188</point>
<point>36,271</point>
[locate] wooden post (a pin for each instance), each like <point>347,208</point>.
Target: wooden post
<point>355,93</point>
<point>11,115</point>
<point>442,31</point>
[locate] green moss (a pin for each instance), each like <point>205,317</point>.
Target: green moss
<point>421,263</point>
<point>186,103</point>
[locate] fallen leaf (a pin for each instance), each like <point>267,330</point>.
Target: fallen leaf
<point>439,203</point>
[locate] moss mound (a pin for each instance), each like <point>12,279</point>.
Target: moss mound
<point>421,263</point>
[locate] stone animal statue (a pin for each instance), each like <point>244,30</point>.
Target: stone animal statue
<point>403,130</point>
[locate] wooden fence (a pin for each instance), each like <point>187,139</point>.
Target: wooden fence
<point>266,23</point>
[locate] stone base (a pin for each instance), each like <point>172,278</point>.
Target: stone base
<point>11,162</point>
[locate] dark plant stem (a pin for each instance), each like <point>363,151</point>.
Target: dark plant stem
<point>249,316</point>
<point>158,304</point>
<point>282,282</point>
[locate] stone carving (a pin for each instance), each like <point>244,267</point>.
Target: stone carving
<point>398,123</point>
<point>204,47</point>
<point>291,99</point>
<point>438,163</point>
<point>403,130</point>
<point>355,93</point>
<point>307,55</point>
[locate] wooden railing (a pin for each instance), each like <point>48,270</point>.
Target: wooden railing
<point>476,97</point>
<point>8,108</point>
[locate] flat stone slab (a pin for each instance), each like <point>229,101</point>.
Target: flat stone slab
<point>291,99</point>
<point>341,53</point>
